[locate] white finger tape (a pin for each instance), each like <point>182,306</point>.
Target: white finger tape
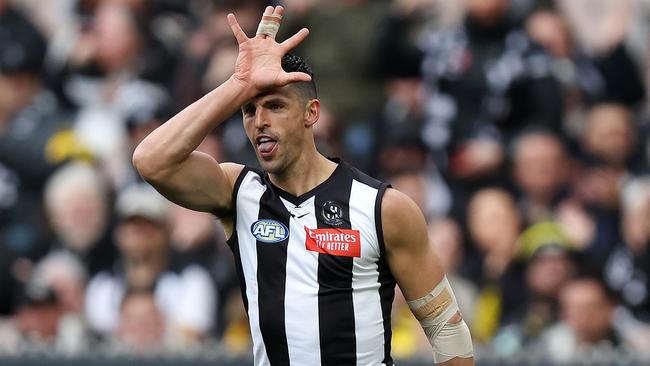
<point>269,25</point>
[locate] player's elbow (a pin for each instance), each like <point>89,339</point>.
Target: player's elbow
<point>145,163</point>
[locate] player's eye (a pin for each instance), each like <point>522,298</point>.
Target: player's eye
<point>275,106</point>
<point>249,111</point>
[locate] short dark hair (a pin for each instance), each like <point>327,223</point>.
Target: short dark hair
<point>293,63</point>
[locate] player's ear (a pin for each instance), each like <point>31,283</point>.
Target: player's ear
<point>312,112</point>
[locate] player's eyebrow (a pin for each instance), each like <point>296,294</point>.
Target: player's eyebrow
<point>278,96</point>
<point>275,99</point>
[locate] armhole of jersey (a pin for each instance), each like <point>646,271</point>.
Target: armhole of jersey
<point>380,230</point>
<point>235,190</point>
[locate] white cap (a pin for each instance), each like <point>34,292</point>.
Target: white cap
<point>143,201</point>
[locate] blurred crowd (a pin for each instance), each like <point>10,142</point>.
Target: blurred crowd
<point>520,127</point>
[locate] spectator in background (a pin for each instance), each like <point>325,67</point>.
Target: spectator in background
<point>627,270</point>
<point>610,136</point>
<point>494,224</point>
<point>397,123</point>
<point>34,137</point>
<point>540,169</point>
<point>117,40</point>
<point>141,327</point>
<point>401,152</point>
<point>429,192</point>
<point>388,142</point>
<point>49,309</point>
<point>37,317</point>
<point>601,29</point>
<point>198,238</point>
<point>185,294</point>
<point>486,81</point>
<point>139,124</point>
<point>608,146</point>
<point>587,327</point>
<point>546,257</point>
<point>66,277</point>
<point>77,201</point>
<point>116,69</point>
<point>586,78</point>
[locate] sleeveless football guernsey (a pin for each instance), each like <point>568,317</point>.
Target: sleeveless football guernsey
<point>312,270</point>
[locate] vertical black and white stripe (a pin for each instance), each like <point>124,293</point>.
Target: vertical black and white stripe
<point>309,308</point>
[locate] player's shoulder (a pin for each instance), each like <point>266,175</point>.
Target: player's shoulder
<point>232,170</point>
<point>236,172</point>
<point>401,217</point>
<point>396,204</point>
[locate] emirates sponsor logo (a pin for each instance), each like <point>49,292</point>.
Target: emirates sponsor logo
<point>339,242</point>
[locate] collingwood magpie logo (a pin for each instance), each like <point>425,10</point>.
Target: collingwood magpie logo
<point>269,231</point>
<point>332,213</point>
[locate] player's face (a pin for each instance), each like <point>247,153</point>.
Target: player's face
<point>274,123</point>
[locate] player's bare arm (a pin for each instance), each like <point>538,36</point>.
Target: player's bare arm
<point>167,158</point>
<point>421,278</point>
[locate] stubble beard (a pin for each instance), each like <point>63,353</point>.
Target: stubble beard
<point>279,165</point>
<point>275,165</point>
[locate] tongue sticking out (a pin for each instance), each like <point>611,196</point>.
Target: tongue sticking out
<point>266,147</point>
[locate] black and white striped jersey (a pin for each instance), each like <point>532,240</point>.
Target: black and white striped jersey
<point>313,274</point>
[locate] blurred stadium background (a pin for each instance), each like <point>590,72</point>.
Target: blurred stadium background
<point>520,127</point>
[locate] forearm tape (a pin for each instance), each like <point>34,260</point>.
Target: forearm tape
<point>434,311</point>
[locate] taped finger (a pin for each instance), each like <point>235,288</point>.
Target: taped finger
<point>269,25</point>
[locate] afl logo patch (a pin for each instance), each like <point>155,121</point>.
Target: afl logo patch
<point>269,231</point>
<point>332,213</point>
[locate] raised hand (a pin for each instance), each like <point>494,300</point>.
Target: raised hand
<point>259,60</point>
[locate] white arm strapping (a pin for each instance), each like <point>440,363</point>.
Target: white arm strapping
<point>434,310</point>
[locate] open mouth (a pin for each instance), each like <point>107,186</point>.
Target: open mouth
<point>265,145</point>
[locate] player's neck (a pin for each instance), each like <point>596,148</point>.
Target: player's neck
<point>310,170</point>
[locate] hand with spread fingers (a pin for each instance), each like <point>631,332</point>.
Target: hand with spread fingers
<point>259,60</point>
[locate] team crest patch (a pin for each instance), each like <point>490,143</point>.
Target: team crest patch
<point>339,242</point>
<point>332,213</point>
<point>269,231</point>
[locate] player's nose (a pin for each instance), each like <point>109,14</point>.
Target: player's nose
<point>261,119</point>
